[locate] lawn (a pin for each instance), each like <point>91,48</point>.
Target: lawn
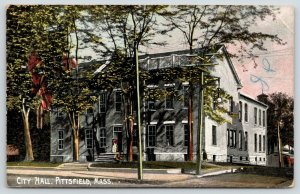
<point>151,165</point>
<point>33,164</point>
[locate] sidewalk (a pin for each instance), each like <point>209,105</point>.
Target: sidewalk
<point>82,170</point>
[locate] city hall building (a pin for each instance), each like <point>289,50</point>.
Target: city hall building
<point>165,122</point>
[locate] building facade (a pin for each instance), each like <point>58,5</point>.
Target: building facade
<point>165,121</point>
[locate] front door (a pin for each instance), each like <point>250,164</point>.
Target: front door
<point>117,138</point>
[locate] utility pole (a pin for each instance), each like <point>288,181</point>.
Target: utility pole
<point>140,168</point>
<point>279,145</point>
<point>200,124</point>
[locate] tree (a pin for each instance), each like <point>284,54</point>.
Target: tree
<point>71,87</point>
<point>281,109</point>
<point>128,28</point>
<point>25,27</point>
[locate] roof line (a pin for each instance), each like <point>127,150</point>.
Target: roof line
<point>236,76</point>
<point>250,98</point>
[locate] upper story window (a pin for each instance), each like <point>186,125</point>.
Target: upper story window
<point>231,104</point>
<point>102,103</point>
<point>151,104</point>
<point>255,115</point>
<point>264,118</point>
<point>259,117</point>
<point>118,100</point>
<point>90,111</point>
<point>246,112</point>
<point>240,111</point>
<point>169,101</point>
<point>185,96</point>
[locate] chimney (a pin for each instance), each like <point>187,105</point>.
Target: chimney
<point>263,98</point>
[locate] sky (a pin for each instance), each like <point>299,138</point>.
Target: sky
<point>275,67</point>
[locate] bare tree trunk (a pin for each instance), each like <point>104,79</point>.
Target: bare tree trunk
<point>75,147</point>
<point>28,145</point>
<point>76,140</point>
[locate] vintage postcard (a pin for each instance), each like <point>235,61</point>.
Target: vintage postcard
<point>150,96</point>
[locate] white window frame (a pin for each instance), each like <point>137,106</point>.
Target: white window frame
<point>102,138</point>
<point>60,144</point>
<point>118,102</point>
<point>148,136</point>
<point>169,96</point>
<point>170,134</point>
<point>240,140</point>
<point>255,115</point>
<point>246,112</point>
<point>88,138</point>
<point>102,102</point>
<point>186,135</point>
<point>214,135</point>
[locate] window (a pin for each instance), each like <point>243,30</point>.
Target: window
<point>169,103</point>
<point>231,104</point>
<point>228,137</point>
<point>90,111</point>
<point>60,139</point>
<point>151,134</point>
<point>240,111</point>
<point>135,136</point>
<point>89,138</point>
<point>170,135</point>
<point>117,130</point>
<point>259,143</point>
<point>186,134</point>
<point>264,118</point>
<point>102,103</point>
<point>232,138</point>
<point>255,142</point>
<point>246,112</point>
<point>185,96</point>
<point>240,140</point>
<point>259,117</point>
<point>118,100</point>
<point>102,139</point>
<point>246,141</point>
<point>151,104</point>
<point>255,115</point>
<point>214,135</point>
<point>264,143</point>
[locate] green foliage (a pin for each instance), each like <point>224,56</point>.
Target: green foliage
<point>281,108</point>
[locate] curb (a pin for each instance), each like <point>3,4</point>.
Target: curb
<point>217,173</point>
<point>134,170</point>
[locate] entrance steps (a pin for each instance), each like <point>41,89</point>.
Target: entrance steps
<point>106,158</point>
